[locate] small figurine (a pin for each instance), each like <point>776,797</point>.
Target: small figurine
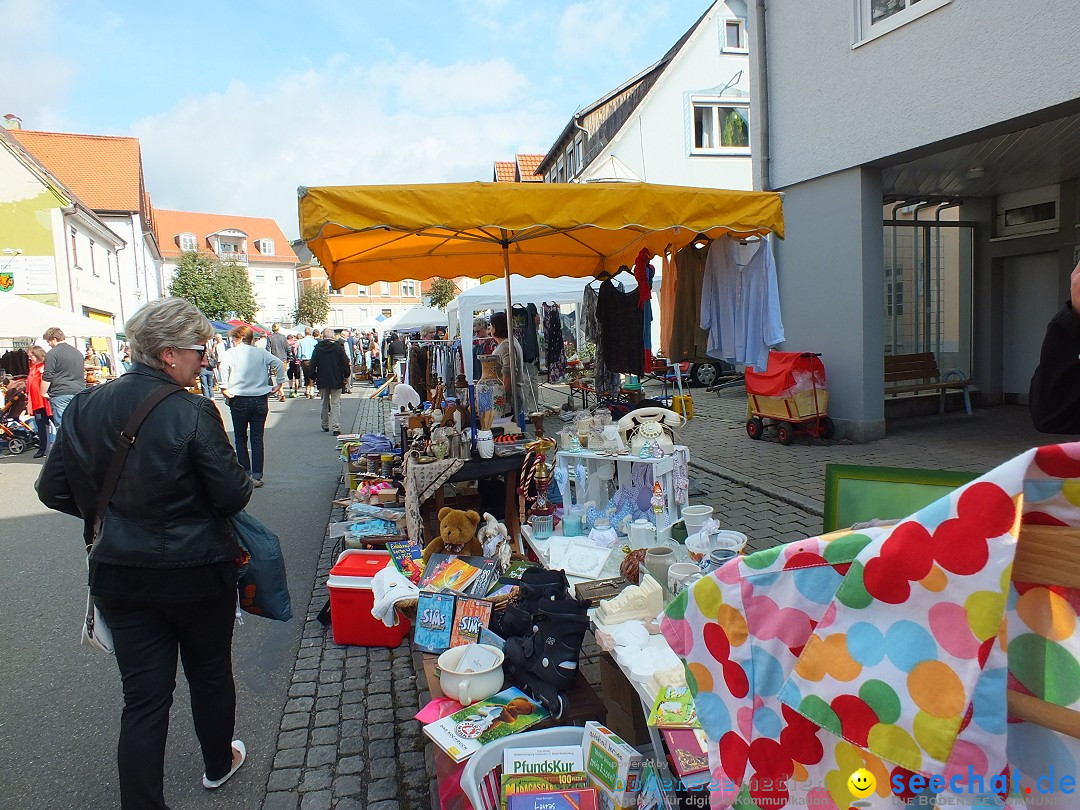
<point>646,450</point>
<point>657,451</point>
<point>575,444</point>
<point>657,499</point>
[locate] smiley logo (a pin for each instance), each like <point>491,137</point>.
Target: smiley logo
<point>861,783</point>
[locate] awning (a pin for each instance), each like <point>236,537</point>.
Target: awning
<point>365,234</point>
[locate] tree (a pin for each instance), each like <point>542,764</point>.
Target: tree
<point>194,280</point>
<point>234,285</point>
<point>314,304</point>
<point>442,292</point>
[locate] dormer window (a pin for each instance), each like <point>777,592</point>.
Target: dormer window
<point>266,247</point>
<point>188,241</point>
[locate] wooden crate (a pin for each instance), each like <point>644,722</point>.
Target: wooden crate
<point>804,405</point>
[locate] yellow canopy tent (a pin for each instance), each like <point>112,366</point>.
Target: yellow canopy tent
<point>365,234</point>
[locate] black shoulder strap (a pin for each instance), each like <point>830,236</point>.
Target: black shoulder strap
<point>124,443</point>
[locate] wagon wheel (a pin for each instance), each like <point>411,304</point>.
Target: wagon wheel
<point>826,427</point>
<point>754,428</point>
<point>785,433</point>
<point>16,445</point>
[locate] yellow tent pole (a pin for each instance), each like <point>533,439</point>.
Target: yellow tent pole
<point>518,416</point>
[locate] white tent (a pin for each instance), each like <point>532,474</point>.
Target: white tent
<point>536,290</point>
<point>22,317</point>
<point>412,319</point>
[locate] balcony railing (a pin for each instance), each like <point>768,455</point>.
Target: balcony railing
<point>235,258</point>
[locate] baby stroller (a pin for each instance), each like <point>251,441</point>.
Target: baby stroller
<point>789,395</point>
<point>17,434</point>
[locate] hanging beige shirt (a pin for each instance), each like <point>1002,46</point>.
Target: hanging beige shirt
<point>687,340</point>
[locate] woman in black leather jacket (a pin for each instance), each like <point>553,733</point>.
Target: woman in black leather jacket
<point>1054,396</point>
<point>163,569</point>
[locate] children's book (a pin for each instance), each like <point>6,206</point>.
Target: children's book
<point>434,622</point>
<point>484,580</point>
<point>448,572</point>
<point>407,558</point>
<point>462,733</point>
<point>514,783</point>
<point>513,571</point>
<point>469,616</point>
<point>674,708</point>
<point>687,750</point>
<point>584,799</point>
<point>546,759</point>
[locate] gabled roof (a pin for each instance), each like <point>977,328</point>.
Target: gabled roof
<point>105,171</point>
<point>526,169</point>
<point>168,225</point>
<point>642,81</point>
<point>504,171</point>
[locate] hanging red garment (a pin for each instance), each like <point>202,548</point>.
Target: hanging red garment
<point>641,273</point>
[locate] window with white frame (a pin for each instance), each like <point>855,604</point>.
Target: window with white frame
<point>335,290</point>
<point>571,170</point>
<point>266,247</point>
<point>361,289</point>
<point>109,264</point>
<point>260,276</point>
<point>562,170</point>
<point>279,278</point>
<point>75,250</point>
<point>386,288</point>
<point>93,264</point>
<point>734,36</point>
<point>579,151</point>
<point>408,287</point>
<point>187,242</point>
<point>876,17</point>
<point>721,127</point>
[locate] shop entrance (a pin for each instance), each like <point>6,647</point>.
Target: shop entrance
<point>1032,295</point>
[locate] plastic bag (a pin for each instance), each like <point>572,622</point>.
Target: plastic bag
<point>261,582</point>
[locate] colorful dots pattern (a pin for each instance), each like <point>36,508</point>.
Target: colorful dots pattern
<point>888,648</point>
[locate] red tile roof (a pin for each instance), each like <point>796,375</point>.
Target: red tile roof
<point>168,225</point>
<point>504,171</point>
<point>527,166</point>
<point>103,170</point>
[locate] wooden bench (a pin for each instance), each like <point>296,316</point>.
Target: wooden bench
<point>919,373</point>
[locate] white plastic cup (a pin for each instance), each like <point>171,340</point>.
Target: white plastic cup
<point>694,517</point>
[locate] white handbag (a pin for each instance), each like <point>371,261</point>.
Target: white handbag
<point>95,633</point>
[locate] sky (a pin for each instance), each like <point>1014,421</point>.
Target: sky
<point>236,103</point>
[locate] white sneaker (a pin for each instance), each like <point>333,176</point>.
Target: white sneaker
<point>212,784</point>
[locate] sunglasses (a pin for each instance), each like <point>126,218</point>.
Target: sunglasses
<point>200,349</point>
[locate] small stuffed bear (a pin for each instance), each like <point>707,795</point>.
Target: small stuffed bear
<point>457,534</point>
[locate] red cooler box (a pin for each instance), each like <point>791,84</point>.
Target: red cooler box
<point>351,598</point>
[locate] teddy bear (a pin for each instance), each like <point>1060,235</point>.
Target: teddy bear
<point>457,534</point>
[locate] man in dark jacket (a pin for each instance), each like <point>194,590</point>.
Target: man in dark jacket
<point>330,368</point>
<point>1054,398</point>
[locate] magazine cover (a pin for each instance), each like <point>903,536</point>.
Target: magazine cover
<point>513,571</point>
<point>514,783</point>
<point>674,708</point>
<point>562,800</point>
<point>469,616</point>
<point>485,579</point>
<point>406,556</point>
<point>434,622</point>
<point>448,572</point>
<point>462,733</point>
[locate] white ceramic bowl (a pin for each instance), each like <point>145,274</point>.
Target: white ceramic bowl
<point>468,687</point>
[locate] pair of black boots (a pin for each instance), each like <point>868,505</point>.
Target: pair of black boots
<point>544,631</point>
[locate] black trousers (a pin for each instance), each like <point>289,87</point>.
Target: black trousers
<point>147,637</point>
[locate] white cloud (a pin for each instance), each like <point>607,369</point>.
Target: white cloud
<point>589,30</point>
<point>244,151</point>
<point>30,67</point>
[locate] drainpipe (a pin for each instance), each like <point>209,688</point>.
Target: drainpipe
<point>923,303</point>
<point>937,244</point>
<point>761,82</point>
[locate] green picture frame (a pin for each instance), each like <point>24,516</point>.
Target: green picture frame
<point>856,493</point>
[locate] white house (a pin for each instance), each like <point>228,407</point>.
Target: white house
<point>684,120</point>
<point>256,243</point>
<point>929,152</point>
<point>53,248</point>
<point>106,173</point>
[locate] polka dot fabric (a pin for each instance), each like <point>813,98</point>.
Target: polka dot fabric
<point>888,649</point>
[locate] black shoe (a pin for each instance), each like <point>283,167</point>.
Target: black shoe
<point>40,454</point>
<point>326,430</point>
<point>336,432</point>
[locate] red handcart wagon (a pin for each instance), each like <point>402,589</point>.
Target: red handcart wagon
<point>789,395</point>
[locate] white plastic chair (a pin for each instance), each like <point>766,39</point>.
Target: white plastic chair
<point>478,780</point>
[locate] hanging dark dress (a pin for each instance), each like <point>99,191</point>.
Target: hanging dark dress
<point>622,329</point>
<point>554,348</point>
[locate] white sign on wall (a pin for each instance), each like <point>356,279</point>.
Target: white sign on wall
<point>28,275</point>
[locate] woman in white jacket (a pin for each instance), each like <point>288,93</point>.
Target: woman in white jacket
<point>248,376</point>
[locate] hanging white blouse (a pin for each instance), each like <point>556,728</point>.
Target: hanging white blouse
<point>740,302</point>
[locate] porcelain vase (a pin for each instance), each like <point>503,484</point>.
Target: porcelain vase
<point>490,394</point>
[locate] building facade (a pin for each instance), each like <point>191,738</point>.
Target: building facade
<point>255,243</point>
<point>684,120</point>
<point>928,152</point>
<point>106,173</point>
<point>53,248</point>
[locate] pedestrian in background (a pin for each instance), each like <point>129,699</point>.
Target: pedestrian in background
<point>350,345</point>
<point>306,345</point>
<point>292,365</point>
<point>64,375</point>
<point>162,570</point>
<point>330,368</point>
<point>248,376</point>
<point>37,404</point>
<point>278,345</point>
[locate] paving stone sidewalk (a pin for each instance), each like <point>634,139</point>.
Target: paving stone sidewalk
<point>348,739</point>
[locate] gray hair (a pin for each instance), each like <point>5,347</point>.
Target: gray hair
<point>480,321</point>
<point>427,330</point>
<point>162,324</point>
<point>328,333</point>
